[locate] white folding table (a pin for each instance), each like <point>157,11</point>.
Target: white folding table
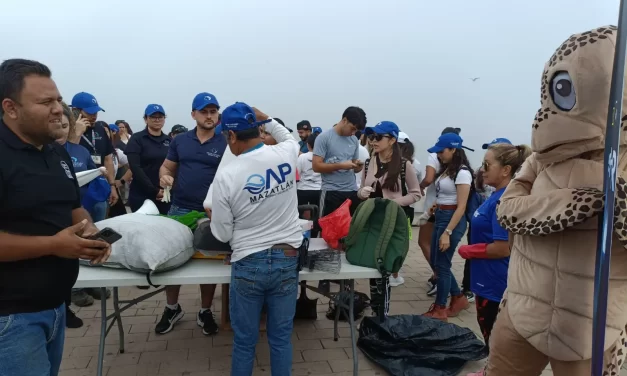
<point>206,272</point>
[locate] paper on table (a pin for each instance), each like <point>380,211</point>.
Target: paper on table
<point>317,244</point>
<point>85,177</point>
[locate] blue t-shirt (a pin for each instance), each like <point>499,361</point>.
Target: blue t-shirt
<point>81,160</point>
<point>197,166</point>
<point>303,146</point>
<point>488,277</point>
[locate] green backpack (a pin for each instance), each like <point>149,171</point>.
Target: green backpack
<point>379,236</point>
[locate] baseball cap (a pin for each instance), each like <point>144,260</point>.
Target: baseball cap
<point>496,141</point>
<point>86,102</point>
<point>304,125</point>
<point>240,117</point>
<point>402,137</point>
<point>447,141</point>
<point>178,128</point>
<point>384,127</point>
<point>153,109</point>
<point>316,130</point>
<point>114,128</point>
<point>202,100</point>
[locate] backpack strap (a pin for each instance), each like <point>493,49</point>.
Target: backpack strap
<point>387,230</point>
<point>403,173</point>
<point>359,220</point>
<point>366,163</point>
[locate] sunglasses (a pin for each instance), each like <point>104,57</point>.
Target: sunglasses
<point>378,137</point>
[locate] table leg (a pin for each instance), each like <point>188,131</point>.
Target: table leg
<point>338,309</point>
<point>118,317</point>
<point>351,320</point>
<point>103,329</point>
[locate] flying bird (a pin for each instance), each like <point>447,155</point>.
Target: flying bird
<point>475,79</point>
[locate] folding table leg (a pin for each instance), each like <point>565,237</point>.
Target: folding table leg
<point>118,317</point>
<point>103,329</point>
<point>351,320</point>
<point>338,309</point>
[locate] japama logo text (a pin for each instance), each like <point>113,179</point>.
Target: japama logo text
<point>273,183</point>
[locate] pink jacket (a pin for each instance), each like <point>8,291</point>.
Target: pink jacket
<point>411,180</point>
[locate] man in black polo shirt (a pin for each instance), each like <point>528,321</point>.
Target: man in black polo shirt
<point>190,167</point>
<point>96,140</point>
<point>42,224</point>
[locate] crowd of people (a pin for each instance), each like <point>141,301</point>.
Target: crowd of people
<point>325,168</point>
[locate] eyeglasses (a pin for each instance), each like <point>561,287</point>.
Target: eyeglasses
<point>377,137</point>
<point>485,165</point>
<point>156,118</point>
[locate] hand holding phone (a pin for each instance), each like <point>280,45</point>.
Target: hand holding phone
<point>107,234</point>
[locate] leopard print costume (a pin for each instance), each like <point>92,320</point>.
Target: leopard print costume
<point>551,210</point>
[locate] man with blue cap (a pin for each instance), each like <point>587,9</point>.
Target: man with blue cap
<point>98,143</point>
<point>255,209</point>
<point>189,169</point>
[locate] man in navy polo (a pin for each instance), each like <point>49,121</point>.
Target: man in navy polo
<point>190,167</point>
<point>96,141</point>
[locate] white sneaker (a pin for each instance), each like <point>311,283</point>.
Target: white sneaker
<point>396,281</point>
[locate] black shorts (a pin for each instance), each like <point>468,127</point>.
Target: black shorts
<point>431,219</point>
<point>331,200</point>
<point>308,197</point>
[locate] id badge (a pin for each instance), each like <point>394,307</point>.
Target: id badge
<point>96,158</point>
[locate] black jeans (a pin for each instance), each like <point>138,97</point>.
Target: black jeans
<point>466,279</point>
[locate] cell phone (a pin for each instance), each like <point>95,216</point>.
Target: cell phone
<point>359,163</point>
<point>108,235</point>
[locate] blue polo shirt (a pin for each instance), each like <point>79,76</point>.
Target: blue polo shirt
<point>197,166</point>
<point>81,160</point>
<point>488,277</point>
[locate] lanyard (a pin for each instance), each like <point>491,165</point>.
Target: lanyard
<point>91,143</point>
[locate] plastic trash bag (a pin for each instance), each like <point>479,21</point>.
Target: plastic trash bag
<point>335,226</point>
<point>412,345</point>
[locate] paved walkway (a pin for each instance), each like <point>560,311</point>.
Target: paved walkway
<point>187,352</point>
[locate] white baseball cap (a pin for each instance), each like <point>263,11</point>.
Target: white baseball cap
<point>402,137</point>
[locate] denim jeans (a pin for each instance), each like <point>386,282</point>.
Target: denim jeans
<point>31,344</point>
<point>177,210</point>
<point>99,211</point>
<point>441,261</point>
<point>268,277</point>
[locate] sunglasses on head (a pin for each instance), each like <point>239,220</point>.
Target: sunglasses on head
<point>378,137</point>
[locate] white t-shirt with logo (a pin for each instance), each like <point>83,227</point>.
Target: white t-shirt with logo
<point>309,180</point>
<point>446,189</point>
<point>434,162</point>
<point>254,199</point>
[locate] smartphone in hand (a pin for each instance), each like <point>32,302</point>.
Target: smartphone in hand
<point>108,235</point>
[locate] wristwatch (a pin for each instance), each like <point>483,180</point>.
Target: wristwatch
<point>449,232</point>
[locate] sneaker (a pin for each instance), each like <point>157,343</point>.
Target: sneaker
<point>71,320</point>
<point>80,298</point>
<point>207,322</point>
<point>437,312</point>
<point>433,290</point>
<point>431,281</point>
<point>169,318</point>
<point>97,293</point>
<point>458,304</point>
<point>396,281</point>
<point>470,296</point>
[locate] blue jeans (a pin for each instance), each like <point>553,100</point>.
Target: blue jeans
<point>31,344</point>
<point>268,277</point>
<point>441,261</point>
<point>177,210</point>
<point>99,211</point>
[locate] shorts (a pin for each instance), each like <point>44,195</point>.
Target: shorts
<point>308,197</point>
<point>431,219</point>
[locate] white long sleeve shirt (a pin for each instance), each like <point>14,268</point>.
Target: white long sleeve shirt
<point>254,199</point>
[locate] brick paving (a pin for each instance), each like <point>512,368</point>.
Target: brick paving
<point>185,351</point>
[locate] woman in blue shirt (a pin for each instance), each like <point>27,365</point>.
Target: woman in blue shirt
<point>489,248</point>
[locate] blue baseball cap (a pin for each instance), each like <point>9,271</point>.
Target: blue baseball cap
<point>240,117</point>
<point>384,127</point>
<point>203,100</point>
<point>86,102</point>
<point>153,109</point>
<point>497,141</point>
<point>114,128</point>
<point>447,141</point>
<point>317,130</point>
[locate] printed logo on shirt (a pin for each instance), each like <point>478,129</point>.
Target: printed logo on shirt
<point>67,169</point>
<point>214,153</point>
<point>76,163</point>
<point>260,187</point>
<point>166,143</point>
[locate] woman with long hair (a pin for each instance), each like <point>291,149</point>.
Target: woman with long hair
<point>488,249</point>
<point>452,190</point>
<point>382,177</point>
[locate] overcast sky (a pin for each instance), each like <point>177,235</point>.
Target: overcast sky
<point>407,61</point>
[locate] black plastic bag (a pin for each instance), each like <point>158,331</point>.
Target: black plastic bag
<point>412,345</point>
